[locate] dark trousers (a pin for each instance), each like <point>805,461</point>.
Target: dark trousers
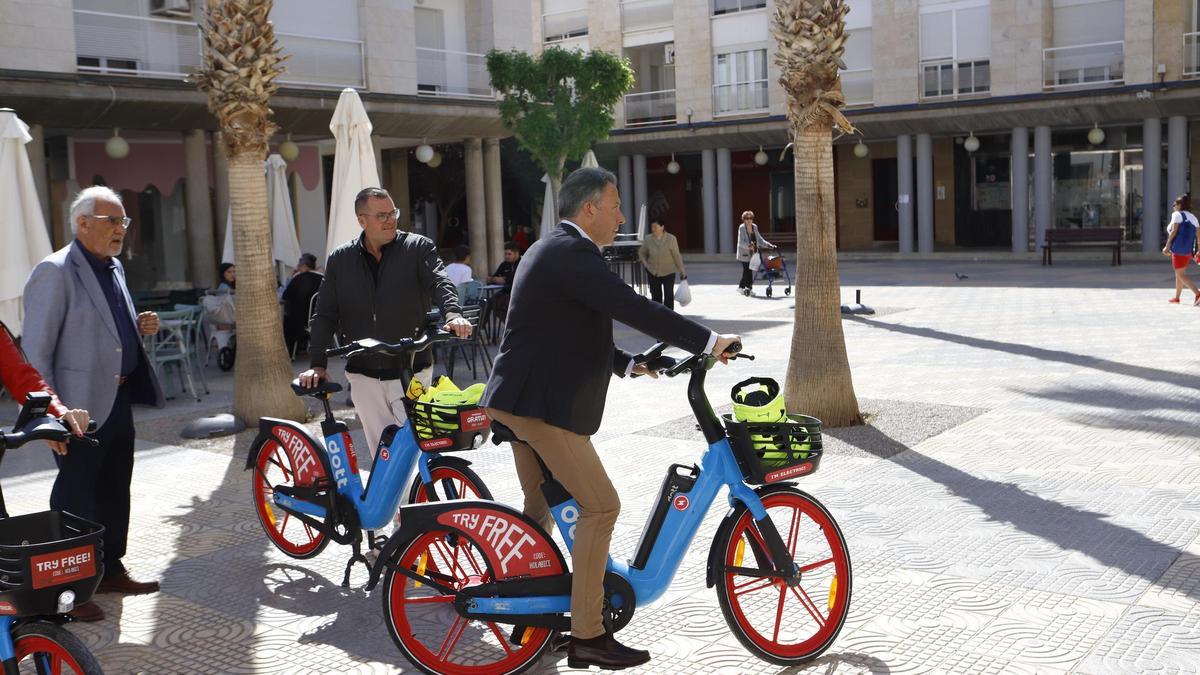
<point>93,482</point>
<point>662,289</point>
<point>747,277</point>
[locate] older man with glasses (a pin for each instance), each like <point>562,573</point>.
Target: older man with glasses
<point>379,285</point>
<point>82,334</point>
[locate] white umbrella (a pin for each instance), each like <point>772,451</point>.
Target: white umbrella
<point>26,240</point>
<point>589,161</point>
<point>285,247</point>
<point>549,218</point>
<point>353,167</point>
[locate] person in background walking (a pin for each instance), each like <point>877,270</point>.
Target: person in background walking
<point>660,256</point>
<point>1181,245</point>
<point>748,244</point>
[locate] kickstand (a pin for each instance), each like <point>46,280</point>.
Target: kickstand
<point>356,557</point>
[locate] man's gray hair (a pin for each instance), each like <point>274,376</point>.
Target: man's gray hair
<point>85,202</point>
<point>582,186</point>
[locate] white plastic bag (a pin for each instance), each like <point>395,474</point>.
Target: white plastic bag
<point>683,294</point>
<point>755,261</point>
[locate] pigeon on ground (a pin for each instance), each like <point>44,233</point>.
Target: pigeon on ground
<point>960,277</point>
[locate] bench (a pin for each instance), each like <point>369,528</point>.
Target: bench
<point>1088,236</point>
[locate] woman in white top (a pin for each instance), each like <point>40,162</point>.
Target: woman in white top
<point>749,242</point>
<point>1181,245</point>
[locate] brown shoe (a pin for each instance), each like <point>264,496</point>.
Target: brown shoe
<point>122,583</point>
<point>88,611</point>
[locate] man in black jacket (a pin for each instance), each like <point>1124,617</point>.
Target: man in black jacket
<point>379,286</point>
<point>551,377</point>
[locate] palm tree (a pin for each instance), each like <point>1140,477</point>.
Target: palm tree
<point>241,61</point>
<point>811,41</point>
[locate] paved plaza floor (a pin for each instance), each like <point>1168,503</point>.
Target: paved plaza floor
<point>1026,498</point>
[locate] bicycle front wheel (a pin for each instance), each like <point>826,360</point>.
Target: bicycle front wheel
<point>779,623</point>
<point>450,481</point>
<point>49,649</point>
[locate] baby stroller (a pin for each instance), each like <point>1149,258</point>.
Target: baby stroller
<point>771,265</point>
<point>221,317</point>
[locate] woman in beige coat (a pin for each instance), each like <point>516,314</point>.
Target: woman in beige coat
<point>660,256</point>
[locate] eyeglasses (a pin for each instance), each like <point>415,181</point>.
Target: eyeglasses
<point>123,221</point>
<point>747,217</point>
<point>384,216</point>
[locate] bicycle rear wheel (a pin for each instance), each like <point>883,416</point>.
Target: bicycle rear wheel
<point>425,626</point>
<point>49,649</point>
<point>778,623</point>
<point>274,465</point>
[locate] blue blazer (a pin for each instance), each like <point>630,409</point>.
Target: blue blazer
<point>70,336</point>
<point>557,354</point>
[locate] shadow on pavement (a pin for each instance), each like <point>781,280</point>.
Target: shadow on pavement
<point>830,663</point>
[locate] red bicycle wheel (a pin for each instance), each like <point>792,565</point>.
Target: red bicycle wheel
<point>450,482</point>
<point>425,626</point>
<point>276,466</point>
<point>782,624</point>
<point>48,649</point>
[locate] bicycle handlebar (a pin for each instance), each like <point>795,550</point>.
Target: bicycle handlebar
<point>44,429</point>
<point>671,367</point>
<point>391,349</point>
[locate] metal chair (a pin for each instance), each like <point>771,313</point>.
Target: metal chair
<point>197,335</point>
<point>474,345</point>
<point>171,346</point>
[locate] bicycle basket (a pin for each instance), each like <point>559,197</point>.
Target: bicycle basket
<point>768,452</point>
<point>443,427</point>
<point>44,554</point>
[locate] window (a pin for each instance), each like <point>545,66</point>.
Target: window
<point>857,81</point>
<point>563,20</point>
<point>955,51</point>
<point>731,6</point>
<point>1089,43</point>
<point>740,81</point>
<point>105,64</point>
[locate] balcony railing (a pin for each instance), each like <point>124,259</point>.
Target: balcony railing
<point>650,108</point>
<point>123,44</point>
<point>564,25</point>
<point>740,97</point>
<point>946,78</point>
<point>1084,65</point>
<point>646,15</point>
<point>858,86</point>
<point>1191,54</point>
<point>441,72</point>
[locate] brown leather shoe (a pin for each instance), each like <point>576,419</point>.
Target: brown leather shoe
<point>122,583</point>
<point>88,611</point>
<point>605,653</point>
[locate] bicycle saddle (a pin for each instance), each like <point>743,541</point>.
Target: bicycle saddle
<point>322,388</point>
<point>502,434</point>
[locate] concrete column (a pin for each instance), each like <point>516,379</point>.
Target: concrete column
<point>221,193</point>
<point>1152,199</point>
<point>639,192</point>
<point>725,231</point>
<point>36,148</point>
<point>201,245</point>
<point>1019,164</point>
<point>1177,157</point>
<point>708,168</point>
<point>398,185</point>
<point>1043,184</point>
<point>495,203</point>
<point>625,186</point>
<point>379,166</point>
<point>904,191</point>
<point>476,206</point>
<point>924,193</point>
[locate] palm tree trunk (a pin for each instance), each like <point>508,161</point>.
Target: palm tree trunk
<point>263,370</point>
<point>818,377</point>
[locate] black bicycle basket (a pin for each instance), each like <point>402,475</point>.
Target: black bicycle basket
<point>44,554</point>
<point>768,452</point>
<point>449,428</point>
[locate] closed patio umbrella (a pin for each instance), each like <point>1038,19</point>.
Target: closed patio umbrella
<point>589,161</point>
<point>549,218</point>
<point>285,247</point>
<point>26,241</point>
<point>353,167</point>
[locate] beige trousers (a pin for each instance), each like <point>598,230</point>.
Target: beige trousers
<point>574,463</point>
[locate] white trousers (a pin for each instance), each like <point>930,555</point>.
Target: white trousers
<point>378,404</point>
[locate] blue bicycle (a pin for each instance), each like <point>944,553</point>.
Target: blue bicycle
<point>475,587</point>
<point>49,562</point>
<point>307,493</point>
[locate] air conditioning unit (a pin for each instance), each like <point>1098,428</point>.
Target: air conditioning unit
<point>174,8</point>
<point>669,53</point>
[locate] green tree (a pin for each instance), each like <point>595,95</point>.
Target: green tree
<point>811,37</point>
<point>558,103</point>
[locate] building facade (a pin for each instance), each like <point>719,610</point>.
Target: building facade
<point>981,122</point>
<point>80,72</point>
